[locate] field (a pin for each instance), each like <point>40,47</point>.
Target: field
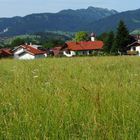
<point>89,98</point>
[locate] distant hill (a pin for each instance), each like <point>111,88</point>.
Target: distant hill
<point>131,18</point>
<point>91,19</point>
<point>65,20</point>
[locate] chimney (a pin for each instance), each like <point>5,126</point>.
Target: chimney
<point>30,43</point>
<point>93,35</point>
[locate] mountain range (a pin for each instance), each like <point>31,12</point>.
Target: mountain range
<point>92,19</point>
<point>131,19</point>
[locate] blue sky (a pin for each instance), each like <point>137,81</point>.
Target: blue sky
<point>9,8</point>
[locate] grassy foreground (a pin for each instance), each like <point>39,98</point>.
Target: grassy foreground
<point>70,99</point>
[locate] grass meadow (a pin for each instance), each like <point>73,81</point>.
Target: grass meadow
<point>85,98</point>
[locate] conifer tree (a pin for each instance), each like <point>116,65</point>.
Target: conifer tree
<point>122,39</point>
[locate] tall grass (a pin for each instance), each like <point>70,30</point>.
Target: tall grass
<point>70,99</point>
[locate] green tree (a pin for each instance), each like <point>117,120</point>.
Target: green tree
<point>53,43</point>
<point>81,36</point>
<point>102,36</point>
<point>17,42</point>
<point>48,44</point>
<point>109,41</point>
<point>122,38</point>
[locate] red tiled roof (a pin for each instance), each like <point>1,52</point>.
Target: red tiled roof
<point>32,50</point>
<point>85,45</point>
<point>5,51</point>
<point>58,48</point>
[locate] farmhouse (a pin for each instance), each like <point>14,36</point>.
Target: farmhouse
<point>28,52</point>
<point>82,48</point>
<point>79,48</point>
<point>134,48</point>
<point>57,51</point>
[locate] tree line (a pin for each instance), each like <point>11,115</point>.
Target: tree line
<point>114,42</point>
<point>117,42</point>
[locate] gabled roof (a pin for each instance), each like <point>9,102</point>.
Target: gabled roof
<point>135,44</point>
<point>31,50</point>
<point>85,45</point>
<point>5,52</point>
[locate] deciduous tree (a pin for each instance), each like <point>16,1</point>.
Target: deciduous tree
<point>81,36</point>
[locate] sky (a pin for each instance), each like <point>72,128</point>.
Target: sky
<point>10,8</point>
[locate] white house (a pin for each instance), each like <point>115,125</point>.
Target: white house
<point>134,48</point>
<point>26,52</point>
<point>83,47</point>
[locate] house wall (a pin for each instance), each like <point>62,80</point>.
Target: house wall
<point>73,53</point>
<point>26,56</point>
<point>83,52</point>
<point>17,52</point>
<point>92,38</point>
<point>56,52</point>
<point>138,50</point>
<point>70,54</point>
<point>40,56</point>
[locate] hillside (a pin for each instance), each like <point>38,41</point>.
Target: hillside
<point>131,18</point>
<point>65,20</point>
<point>91,19</point>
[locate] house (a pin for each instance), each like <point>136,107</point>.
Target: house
<point>28,52</point>
<point>5,53</point>
<point>134,48</point>
<point>57,51</point>
<point>135,36</point>
<point>83,47</point>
